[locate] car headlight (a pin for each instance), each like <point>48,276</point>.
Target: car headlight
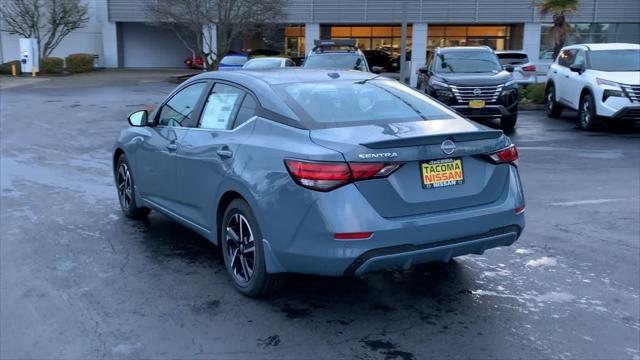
<point>615,93</point>
<point>433,82</point>
<point>604,82</point>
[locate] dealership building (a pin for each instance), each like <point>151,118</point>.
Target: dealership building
<point>119,31</point>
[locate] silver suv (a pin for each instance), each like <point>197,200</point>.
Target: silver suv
<point>337,54</point>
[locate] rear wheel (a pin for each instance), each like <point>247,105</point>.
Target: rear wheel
<point>587,113</point>
<point>127,191</point>
<point>243,252</point>
<point>554,110</point>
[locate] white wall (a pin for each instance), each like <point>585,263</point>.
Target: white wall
<point>85,40</point>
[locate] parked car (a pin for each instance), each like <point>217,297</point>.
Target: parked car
<point>381,59</point>
<point>472,81</point>
<point>337,54</point>
<point>524,71</point>
<point>232,62</point>
<point>268,63</point>
<point>600,81</point>
<point>319,172</point>
<point>194,63</point>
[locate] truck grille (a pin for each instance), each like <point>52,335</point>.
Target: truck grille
<point>633,92</point>
<point>468,93</point>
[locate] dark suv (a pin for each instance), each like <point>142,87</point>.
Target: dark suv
<point>471,81</point>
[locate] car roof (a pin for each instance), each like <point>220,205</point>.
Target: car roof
<point>465,48</point>
<point>607,46</point>
<point>511,52</point>
<point>285,75</point>
<point>268,58</point>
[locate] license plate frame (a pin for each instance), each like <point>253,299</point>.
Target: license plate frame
<point>434,167</point>
<point>477,104</point>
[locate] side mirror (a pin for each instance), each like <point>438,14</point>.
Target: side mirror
<point>376,70</point>
<point>138,118</point>
<point>579,68</point>
<point>424,70</point>
<point>509,68</point>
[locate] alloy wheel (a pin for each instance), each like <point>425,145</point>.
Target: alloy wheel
<point>125,188</point>
<point>586,113</point>
<point>550,101</point>
<point>240,248</point>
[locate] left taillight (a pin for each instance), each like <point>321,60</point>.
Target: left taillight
<point>529,68</point>
<point>326,176</point>
<point>506,155</point>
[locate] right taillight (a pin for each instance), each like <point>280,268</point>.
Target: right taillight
<point>506,155</point>
<point>325,176</point>
<point>529,68</point>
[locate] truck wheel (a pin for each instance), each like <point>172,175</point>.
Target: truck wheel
<point>554,110</point>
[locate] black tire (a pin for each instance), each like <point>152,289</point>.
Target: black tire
<point>125,186</point>
<point>587,113</point>
<point>249,276</point>
<point>508,123</point>
<point>554,110</point>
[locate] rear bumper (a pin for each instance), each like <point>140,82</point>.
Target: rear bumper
<point>404,256</point>
<point>396,242</point>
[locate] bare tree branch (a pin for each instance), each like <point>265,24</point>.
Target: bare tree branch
<point>49,21</point>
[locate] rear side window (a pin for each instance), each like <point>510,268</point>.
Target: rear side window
<point>220,107</point>
<point>247,110</point>
<point>350,103</point>
<point>513,58</point>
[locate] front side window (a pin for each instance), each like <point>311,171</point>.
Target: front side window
<point>179,111</point>
<point>467,62</point>
<point>220,107</point>
<point>566,57</point>
<point>579,60</point>
<point>349,103</point>
<point>615,60</point>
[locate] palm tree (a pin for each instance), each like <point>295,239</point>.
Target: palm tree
<point>560,29</point>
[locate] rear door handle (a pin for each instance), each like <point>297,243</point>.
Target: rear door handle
<point>224,153</point>
<point>172,147</point>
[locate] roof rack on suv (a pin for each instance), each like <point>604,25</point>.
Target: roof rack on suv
<point>324,45</point>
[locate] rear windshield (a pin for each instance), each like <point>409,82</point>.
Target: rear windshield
<point>263,64</point>
<point>233,60</point>
<point>615,60</point>
<point>349,103</point>
<point>513,59</point>
<point>467,62</point>
<point>336,61</point>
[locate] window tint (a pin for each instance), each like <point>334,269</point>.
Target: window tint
<point>467,62</point>
<point>220,107</point>
<point>349,61</point>
<point>246,112</point>
<point>615,60</point>
<point>178,111</point>
<point>513,58</point>
<point>566,57</point>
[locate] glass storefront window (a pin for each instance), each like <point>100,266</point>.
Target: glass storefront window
<point>591,33</point>
<point>294,41</point>
<point>387,38</point>
<point>495,36</point>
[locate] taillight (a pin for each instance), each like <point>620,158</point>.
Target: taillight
<point>506,155</point>
<point>325,176</point>
<point>353,236</point>
<point>529,68</point>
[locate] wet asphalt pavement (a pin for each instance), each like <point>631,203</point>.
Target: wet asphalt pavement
<point>80,281</point>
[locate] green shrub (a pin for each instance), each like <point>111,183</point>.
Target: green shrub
<point>79,63</point>
<point>52,65</point>
<point>6,67</point>
<point>535,93</point>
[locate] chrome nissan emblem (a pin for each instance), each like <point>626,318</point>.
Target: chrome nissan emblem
<point>477,92</point>
<point>448,147</point>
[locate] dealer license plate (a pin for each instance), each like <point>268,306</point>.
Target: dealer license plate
<point>441,173</point>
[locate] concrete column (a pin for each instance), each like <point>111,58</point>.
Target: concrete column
<point>311,33</point>
<point>418,51</point>
<point>531,40</point>
<point>210,40</point>
<point>109,36</point>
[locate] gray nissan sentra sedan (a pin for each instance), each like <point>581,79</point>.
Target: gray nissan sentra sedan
<point>319,172</point>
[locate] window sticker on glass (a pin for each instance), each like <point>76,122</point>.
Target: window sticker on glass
<point>218,110</point>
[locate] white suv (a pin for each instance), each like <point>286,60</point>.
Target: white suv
<point>600,81</point>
